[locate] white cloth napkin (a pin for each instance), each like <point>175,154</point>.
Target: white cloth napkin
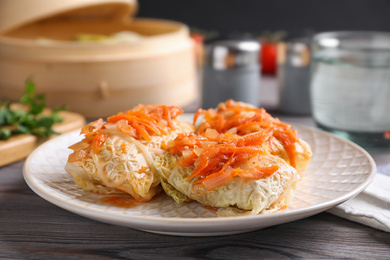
<point>371,207</point>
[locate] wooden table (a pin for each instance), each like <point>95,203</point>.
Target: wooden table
<point>32,228</point>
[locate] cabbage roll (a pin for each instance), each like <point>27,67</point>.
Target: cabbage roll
<point>242,119</point>
<point>239,160</point>
<point>228,175</point>
<point>118,155</point>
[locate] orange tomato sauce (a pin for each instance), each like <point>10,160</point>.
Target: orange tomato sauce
<point>120,202</point>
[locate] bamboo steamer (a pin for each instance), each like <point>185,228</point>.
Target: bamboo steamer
<point>95,79</point>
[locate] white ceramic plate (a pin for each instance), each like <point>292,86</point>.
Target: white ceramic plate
<point>339,170</point>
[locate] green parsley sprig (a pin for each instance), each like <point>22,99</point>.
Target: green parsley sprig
<point>29,121</point>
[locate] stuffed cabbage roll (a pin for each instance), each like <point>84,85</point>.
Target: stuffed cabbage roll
<point>228,174</point>
<point>239,160</point>
<point>118,155</point>
<point>242,119</point>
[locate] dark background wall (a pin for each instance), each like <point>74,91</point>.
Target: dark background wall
<point>296,17</point>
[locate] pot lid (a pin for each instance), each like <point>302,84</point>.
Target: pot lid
<point>17,13</point>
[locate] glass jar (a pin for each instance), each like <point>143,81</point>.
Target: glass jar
<point>350,85</point>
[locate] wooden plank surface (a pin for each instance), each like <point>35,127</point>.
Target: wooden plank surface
<point>20,146</point>
<point>32,228</point>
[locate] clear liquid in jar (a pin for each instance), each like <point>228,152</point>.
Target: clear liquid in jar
<point>350,96</point>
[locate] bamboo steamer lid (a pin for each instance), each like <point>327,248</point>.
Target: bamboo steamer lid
<point>94,79</point>
<point>17,13</point>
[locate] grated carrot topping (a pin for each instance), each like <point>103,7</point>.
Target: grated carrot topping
<point>244,120</point>
<point>142,122</point>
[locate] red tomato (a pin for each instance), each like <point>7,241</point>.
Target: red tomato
<point>268,58</point>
